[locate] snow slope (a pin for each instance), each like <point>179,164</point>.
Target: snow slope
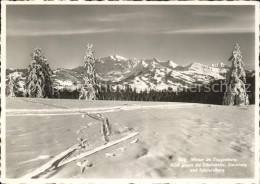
<point>168,131</point>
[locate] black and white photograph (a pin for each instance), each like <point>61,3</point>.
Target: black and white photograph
<point>130,91</point>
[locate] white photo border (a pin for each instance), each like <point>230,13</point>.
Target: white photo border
<point>4,4</point>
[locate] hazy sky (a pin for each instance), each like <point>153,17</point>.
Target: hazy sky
<point>184,34</point>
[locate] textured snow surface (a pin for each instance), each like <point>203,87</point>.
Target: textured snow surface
<point>168,131</point>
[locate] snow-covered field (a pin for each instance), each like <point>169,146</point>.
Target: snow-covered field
<point>38,129</point>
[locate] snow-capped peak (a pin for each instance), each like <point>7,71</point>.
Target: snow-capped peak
<point>156,60</point>
<point>172,64</point>
<point>219,65</point>
<point>195,64</point>
<point>197,67</point>
<point>117,57</point>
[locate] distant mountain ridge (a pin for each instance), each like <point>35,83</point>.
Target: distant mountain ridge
<point>142,74</point>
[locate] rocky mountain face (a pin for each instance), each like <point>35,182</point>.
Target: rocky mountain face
<point>142,74</point>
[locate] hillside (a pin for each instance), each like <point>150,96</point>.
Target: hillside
<point>142,74</point>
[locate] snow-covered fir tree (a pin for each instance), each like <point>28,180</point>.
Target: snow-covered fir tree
<point>236,78</point>
<point>39,82</point>
<point>13,85</point>
<point>90,74</point>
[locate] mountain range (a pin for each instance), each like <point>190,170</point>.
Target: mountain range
<point>138,73</point>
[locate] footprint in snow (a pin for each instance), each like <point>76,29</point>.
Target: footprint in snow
<point>110,155</point>
<point>90,124</point>
<point>84,164</point>
<point>121,149</point>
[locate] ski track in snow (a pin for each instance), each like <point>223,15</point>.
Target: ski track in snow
<point>51,112</point>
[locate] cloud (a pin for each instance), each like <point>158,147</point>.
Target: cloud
<point>59,32</point>
<point>52,27</point>
<point>116,17</point>
<point>148,20</point>
<point>210,31</point>
<point>216,24</point>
